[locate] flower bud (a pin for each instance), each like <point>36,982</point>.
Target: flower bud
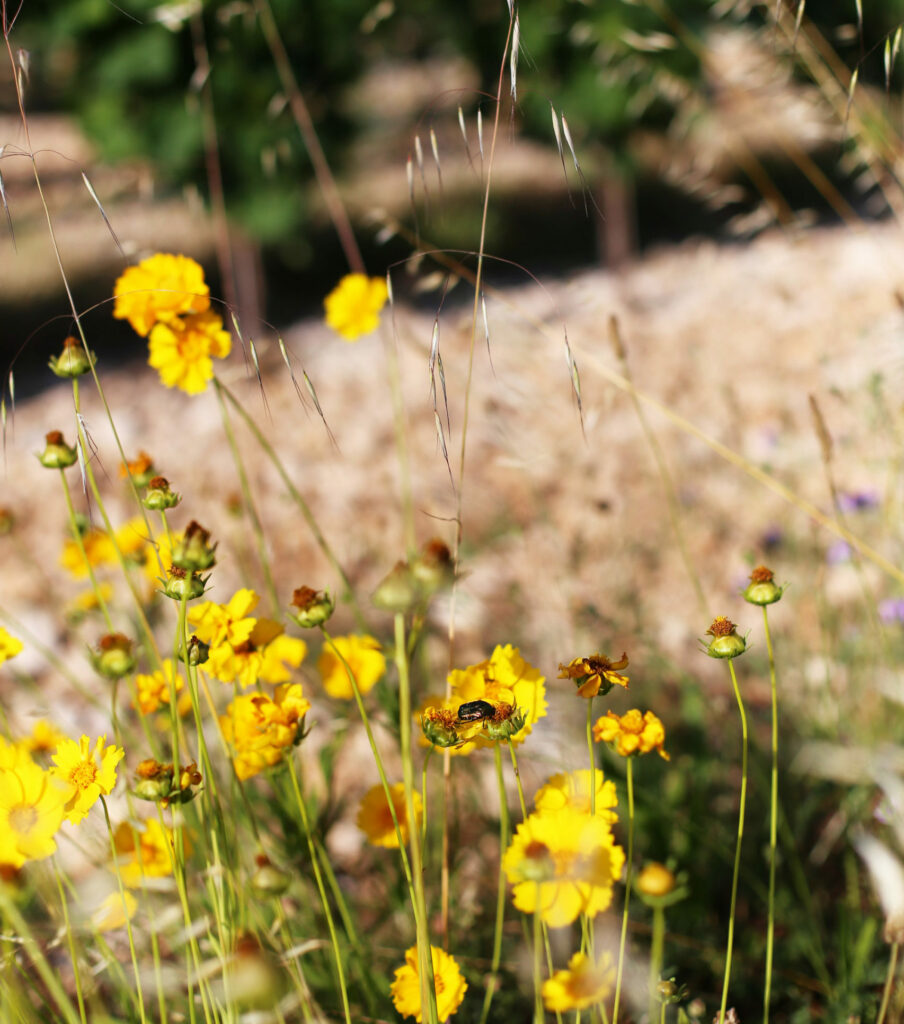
<point>254,980</point>
<point>198,651</point>
<point>73,361</point>
<point>57,454</point>
<point>762,589</point>
<point>7,521</point>
<point>506,723</point>
<point>113,657</point>
<point>183,586</point>
<point>311,608</point>
<point>433,568</point>
<point>655,880</point>
<point>194,552</point>
<point>159,497</point>
<point>269,880</point>
<point>399,590</point>
<point>725,641</point>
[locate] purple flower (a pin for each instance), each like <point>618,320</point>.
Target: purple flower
<point>891,610</point>
<point>839,553</point>
<point>857,501</point>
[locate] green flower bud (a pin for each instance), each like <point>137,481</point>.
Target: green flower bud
<point>73,361</point>
<point>159,497</point>
<point>184,586</point>
<point>725,641</point>
<point>310,608</point>
<point>762,589</point>
<point>113,658</point>
<point>269,880</point>
<point>194,552</point>
<point>398,592</point>
<point>433,569</point>
<point>507,722</point>
<point>198,651</point>
<point>57,454</point>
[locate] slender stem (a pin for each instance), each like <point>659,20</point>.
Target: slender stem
<point>656,947</point>
<point>504,829</point>
<point>539,1015</point>
<point>889,983</point>
<point>592,752</point>
<point>334,939</point>
<point>425,954</point>
<point>629,776</point>
<point>737,860</point>
<point>80,544</point>
<point>773,825</point>
<point>517,774</point>
<point>70,937</point>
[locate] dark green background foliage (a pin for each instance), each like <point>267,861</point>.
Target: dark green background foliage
<point>130,78</point>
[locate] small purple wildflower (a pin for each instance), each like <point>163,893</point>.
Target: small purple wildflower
<point>891,610</point>
<point>839,553</point>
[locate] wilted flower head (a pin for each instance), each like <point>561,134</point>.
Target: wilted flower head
<point>595,674</point>
<point>311,608</point>
<point>114,657</point>
<point>725,641</point>
<point>762,588</point>
<point>57,454</point>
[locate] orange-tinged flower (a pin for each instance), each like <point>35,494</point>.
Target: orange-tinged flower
<point>562,864</point>
<point>147,852</point>
<point>181,350</point>
<point>263,656</point>
<point>583,984</point>
<point>450,985</point>
<point>154,690</point>
<point>632,733</point>
<point>32,805</point>
<point>364,657</point>
<point>375,817</point>
<point>594,673</point>
<point>89,772</point>
<point>505,678</point>
<point>10,645</point>
<point>261,728</point>
<point>572,789</point>
<point>158,290</point>
<point>353,306</point>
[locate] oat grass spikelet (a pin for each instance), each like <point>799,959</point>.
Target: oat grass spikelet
<point>353,306</point>
<point>91,772</point>
<point>583,984</point>
<point>375,817</point>
<point>450,985</point>
<point>159,289</point>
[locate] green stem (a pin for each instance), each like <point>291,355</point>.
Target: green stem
<point>629,776</point>
<point>773,825</point>
<point>504,829</point>
<point>889,983</point>
<point>539,1015</point>
<point>737,860</point>
<point>80,544</point>
<point>77,974</point>
<point>656,948</point>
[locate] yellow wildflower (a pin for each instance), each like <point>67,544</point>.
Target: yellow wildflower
<point>572,789</point>
<point>89,772</point>
<point>450,985</point>
<point>114,911</point>
<point>261,729</point>
<point>12,755</point>
<point>98,551</point>
<point>505,678</point>
<point>353,306</point>
<point>158,289</point>
<point>562,864</point>
<point>44,738</point>
<point>10,646</point>
<point>364,657</point>
<point>86,602</point>
<point>582,985</point>
<point>131,538</point>
<point>31,811</point>
<point>656,880</point>
<point>216,624</point>
<point>181,350</point>
<point>632,733</point>
<point>375,817</point>
<point>263,656</point>
<point>154,690</point>
<point>145,853</point>
<point>595,673</point>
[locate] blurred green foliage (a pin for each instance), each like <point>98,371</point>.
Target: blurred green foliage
<point>130,72</point>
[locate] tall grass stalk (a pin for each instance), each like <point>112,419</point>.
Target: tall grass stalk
<point>504,832</point>
<point>773,823</point>
<point>629,867</point>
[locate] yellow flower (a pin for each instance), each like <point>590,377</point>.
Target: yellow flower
<point>582,985</point>
<point>158,289</point>
<point>655,880</point>
<point>12,755</point>
<point>365,659</point>
<point>375,817</point>
<point>87,602</point>
<point>563,863</point>
<point>594,673</point>
<point>131,538</point>
<point>10,646</point>
<point>504,678</point>
<point>572,789</point>
<point>44,738</point>
<point>181,350</point>
<point>99,550</point>
<point>353,306</point>
<point>632,733</point>
<point>154,690</point>
<point>263,656</point>
<point>31,810</point>
<point>90,772</point>
<point>217,624</point>
<point>450,985</point>
<point>159,557</point>
<point>113,913</point>
<point>147,852</point>
<point>261,729</point>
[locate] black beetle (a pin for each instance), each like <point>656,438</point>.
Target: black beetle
<point>476,711</point>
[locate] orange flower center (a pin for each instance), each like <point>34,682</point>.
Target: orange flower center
<point>83,774</point>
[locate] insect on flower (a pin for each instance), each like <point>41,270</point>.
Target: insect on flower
<point>476,711</point>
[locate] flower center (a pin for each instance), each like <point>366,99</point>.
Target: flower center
<point>22,819</point>
<point>83,774</point>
